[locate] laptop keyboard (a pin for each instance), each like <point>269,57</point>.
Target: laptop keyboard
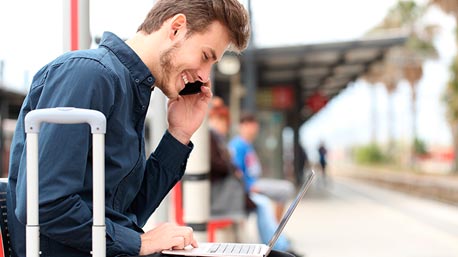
<point>234,248</point>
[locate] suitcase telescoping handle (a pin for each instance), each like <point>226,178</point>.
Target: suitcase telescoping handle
<point>65,115</point>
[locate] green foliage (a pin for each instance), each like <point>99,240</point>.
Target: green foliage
<point>422,47</point>
<point>406,15</point>
<point>403,15</point>
<point>369,154</point>
<point>420,147</point>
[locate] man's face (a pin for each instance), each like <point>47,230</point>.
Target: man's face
<point>250,130</point>
<point>191,59</point>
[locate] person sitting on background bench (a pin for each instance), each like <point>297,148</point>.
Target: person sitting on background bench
<point>228,197</point>
<point>261,190</point>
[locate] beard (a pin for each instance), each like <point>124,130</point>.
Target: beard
<point>167,68</point>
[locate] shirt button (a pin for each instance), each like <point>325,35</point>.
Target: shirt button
<point>150,79</point>
<point>143,107</point>
<point>137,81</point>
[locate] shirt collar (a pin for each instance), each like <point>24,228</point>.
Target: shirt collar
<point>140,73</point>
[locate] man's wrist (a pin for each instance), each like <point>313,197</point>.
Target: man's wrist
<point>144,246</point>
<point>180,136</point>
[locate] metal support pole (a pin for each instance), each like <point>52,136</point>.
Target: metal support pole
<point>3,115</point>
<point>249,76</point>
<point>250,73</point>
<point>298,170</point>
<point>236,92</point>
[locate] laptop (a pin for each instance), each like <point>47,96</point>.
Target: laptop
<point>246,249</point>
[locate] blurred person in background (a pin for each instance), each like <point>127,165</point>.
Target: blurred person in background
<point>323,161</point>
<point>264,192</point>
<point>228,197</point>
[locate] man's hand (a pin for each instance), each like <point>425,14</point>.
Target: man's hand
<point>254,189</point>
<point>186,113</point>
<point>238,173</point>
<point>166,236</point>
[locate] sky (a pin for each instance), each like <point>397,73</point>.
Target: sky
<point>347,120</point>
<point>32,36</point>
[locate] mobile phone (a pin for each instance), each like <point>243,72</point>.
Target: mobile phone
<point>191,88</point>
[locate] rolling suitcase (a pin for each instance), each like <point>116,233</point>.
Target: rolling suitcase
<point>66,115</point>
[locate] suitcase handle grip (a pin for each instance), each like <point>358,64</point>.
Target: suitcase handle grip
<point>65,115</point>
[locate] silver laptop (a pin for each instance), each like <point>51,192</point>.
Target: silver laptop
<point>242,249</point>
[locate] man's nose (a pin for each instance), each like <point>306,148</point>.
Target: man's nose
<point>204,74</point>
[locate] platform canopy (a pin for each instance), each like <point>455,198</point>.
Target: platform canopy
<point>302,79</point>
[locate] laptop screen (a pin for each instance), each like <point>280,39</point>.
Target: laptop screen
<point>291,208</point>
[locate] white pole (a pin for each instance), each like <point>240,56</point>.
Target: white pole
<point>84,38</point>
<point>157,121</point>
<point>66,26</point>
<point>196,185</point>
<point>76,25</point>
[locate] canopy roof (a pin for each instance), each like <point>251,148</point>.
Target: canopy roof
<point>318,72</point>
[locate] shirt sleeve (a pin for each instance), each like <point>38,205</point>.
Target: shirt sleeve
<point>65,157</point>
<point>164,167</point>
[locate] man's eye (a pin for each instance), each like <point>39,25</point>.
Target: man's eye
<point>205,56</point>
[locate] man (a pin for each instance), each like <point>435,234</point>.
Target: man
<point>322,153</point>
<point>261,190</point>
<point>178,42</point>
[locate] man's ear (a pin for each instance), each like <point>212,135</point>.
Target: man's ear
<point>177,25</point>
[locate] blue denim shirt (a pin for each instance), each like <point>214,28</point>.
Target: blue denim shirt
<point>111,79</point>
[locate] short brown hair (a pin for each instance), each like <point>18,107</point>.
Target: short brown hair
<point>199,14</point>
<point>219,109</point>
<point>248,117</point>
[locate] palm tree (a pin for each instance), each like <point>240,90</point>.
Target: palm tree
<point>451,93</point>
<point>387,73</point>
<point>390,79</point>
<point>405,16</point>
<point>451,100</point>
<point>372,77</point>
